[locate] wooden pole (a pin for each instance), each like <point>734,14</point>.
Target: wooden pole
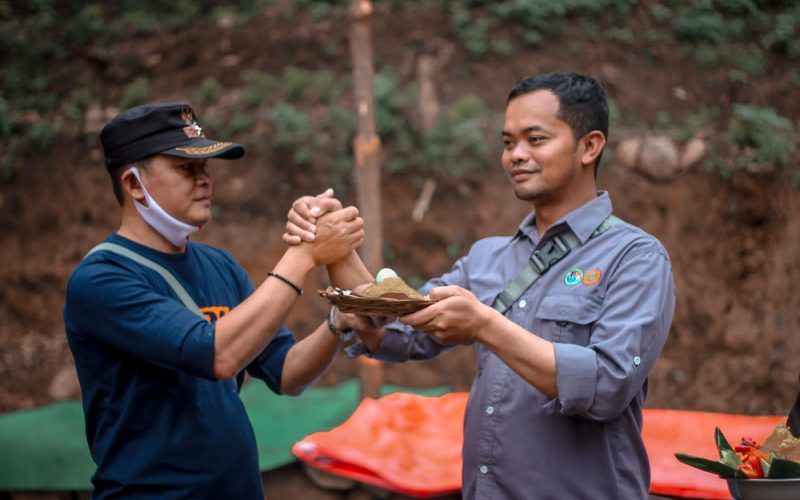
<point>367,171</point>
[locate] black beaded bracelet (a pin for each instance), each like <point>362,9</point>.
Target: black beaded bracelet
<point>287,281</point>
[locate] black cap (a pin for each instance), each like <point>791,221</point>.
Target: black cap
<point>167,129</point>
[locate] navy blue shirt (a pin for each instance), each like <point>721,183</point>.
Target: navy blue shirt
<point>158,424</point>
<point>607,307</point>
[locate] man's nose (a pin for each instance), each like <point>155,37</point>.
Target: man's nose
<point>520,153</point>
<point>202,175</point>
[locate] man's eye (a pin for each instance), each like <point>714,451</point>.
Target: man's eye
<point>535,139</point>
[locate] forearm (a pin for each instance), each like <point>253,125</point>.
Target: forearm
<point>245,331</point>
<point>530,356</point>
<point>308,359</point>
<point>349,272</point>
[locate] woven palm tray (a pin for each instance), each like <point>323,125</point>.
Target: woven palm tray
<point>387,306</point>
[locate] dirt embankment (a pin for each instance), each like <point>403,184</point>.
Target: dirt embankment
<point>734,243</point>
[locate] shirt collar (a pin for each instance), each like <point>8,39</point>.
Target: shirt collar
<point>583,221</point>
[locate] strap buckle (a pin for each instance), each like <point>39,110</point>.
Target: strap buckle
<point>549,253</point>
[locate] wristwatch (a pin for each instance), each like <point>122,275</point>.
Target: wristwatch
<point>343,335</point>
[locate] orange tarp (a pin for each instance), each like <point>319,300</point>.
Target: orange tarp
<point>669,431</point>
<point>411,444</point>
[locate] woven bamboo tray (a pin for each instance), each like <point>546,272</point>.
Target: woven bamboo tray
<point>386,306</point>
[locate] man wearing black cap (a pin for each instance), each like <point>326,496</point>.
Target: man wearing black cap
<point>162,328</point>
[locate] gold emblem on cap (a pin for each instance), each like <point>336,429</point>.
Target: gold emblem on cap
<point>204,150</point>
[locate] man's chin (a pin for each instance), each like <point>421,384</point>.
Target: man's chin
<point>200,220</point>
<point>530,195</point>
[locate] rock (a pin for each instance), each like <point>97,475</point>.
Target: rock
<point>658,158</point>
<point>65,384</point>
<point>680,93</point>
<point>231,60</point>
<point>152,60</point>
<point>693,152</point>
<point>611,75</point>
<point>27,118</point>
<point>627,153</point>
<point>226,21</point>
<point>328,481</point>
<point>93,120</point>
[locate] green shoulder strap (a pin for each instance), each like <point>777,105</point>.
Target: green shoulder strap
<point>543,259</point>
<point>168,276</point>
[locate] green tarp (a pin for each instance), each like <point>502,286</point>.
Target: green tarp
<point>45,448</point>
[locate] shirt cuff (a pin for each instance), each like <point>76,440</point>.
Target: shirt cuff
<point>394,346</point>
<point>576,378</point>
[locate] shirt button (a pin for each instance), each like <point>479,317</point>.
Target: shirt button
<point>522,304</point>
<point>637,360</point>
<point>484,469</point>
<point>489,410</point>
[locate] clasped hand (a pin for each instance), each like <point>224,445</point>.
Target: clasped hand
<point>320,224</point>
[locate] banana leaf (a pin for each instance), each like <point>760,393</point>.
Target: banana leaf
<point>726,453</point>
<point>783,469</point>
<point>765,466</point>
<point>719,468</point>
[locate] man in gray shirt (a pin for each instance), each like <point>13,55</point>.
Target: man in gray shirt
<point>568,315</point>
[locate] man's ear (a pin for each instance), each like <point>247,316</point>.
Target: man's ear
<point>593,144</point>
<point>132,186</point>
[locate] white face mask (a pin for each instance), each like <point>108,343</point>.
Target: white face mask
<point>175,231</point>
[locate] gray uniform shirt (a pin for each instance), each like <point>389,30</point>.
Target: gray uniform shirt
<point>607,307</point>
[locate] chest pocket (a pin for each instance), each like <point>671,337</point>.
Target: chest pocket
<point>569,318</point>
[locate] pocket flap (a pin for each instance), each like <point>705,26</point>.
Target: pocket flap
<point>580,309</point>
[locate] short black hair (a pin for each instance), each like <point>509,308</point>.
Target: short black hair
<point>116,178</point>
<point>583,104</point>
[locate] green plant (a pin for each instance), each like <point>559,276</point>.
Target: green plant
<point>7,119</point>
<point>291,135</point>
<point>257,85</point>
<point>454,249</point>
<point>763,134</point>
<point>706,55</point>
<point>340,125</point>
<point>652,36</point>
<point>457,143</point>
<point>474,32</point>
<point>87,25</point>
<point>661,13</point>
<point>241,121</point>
<point>783,38</point>
<point>42,134</point>
<point>700,24</point>
<point>695,122</point>
<point>749,59</point>
<point>502,48</point>
<point>208,92</point>
<point>623,35</point>
<point>300,83</point>
<point>416,282</point>
<point>76,104</point>
<point>390,101</point>
<point>389,253</point>
<point>135,93</point>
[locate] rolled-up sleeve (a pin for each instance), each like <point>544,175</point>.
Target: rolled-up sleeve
<point>107,304</point>
<point>598,381</point>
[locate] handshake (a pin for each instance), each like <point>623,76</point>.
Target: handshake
<point>320,226</point>
<point>449,314</point>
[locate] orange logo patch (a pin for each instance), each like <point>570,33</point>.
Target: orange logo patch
<point>592,276</point>
<point>213,313</point>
